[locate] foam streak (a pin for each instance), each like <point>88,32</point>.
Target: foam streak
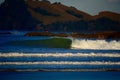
<point>59,55</point>
<point>60,63</point>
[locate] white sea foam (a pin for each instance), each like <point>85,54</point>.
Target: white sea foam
<point>59,55</point>
<point>95,44</point>
<point>60,63</point>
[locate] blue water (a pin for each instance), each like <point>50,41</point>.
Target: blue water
<point>87,55</point>
<point>83,54</point>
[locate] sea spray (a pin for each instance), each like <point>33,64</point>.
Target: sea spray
<point>95,44</point>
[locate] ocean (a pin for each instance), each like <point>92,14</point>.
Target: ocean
<point>84,59</point>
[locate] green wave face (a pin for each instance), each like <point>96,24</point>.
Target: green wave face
<point>48,43</point>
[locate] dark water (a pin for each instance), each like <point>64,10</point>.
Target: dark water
<point>59,75</point>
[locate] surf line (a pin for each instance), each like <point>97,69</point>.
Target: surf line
<point>59,55</point>
<point>60,63</point>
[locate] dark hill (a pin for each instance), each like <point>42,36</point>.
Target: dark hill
<point>43,15</point>
<point>14,15</point>
<point>108,14</point>
<point>49,13</point>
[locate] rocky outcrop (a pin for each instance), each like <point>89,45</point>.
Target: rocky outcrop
<point>46,34</point>
<point>98,35</point>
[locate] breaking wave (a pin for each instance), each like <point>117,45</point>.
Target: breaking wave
<point>95,44</point>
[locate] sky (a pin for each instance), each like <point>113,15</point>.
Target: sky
<point>92,7</point>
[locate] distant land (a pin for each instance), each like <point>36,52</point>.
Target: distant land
<point>46,16</point>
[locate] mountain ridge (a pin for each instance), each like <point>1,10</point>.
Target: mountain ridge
<point>111,15</point>
<point>59,9</point>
